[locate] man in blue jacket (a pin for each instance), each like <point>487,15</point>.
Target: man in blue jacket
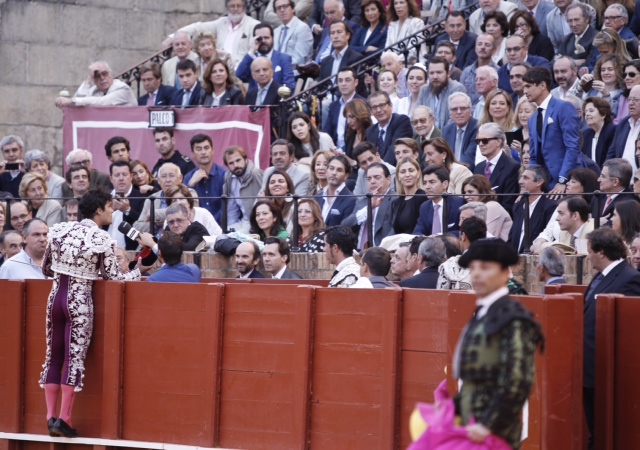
<point>262,45</point>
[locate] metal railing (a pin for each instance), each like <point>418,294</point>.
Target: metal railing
<point>599,198</point>
<point>255,8</point>
<point>133,73</point>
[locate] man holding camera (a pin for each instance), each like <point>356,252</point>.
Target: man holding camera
<point>124,209</point>
<point>12,168</point>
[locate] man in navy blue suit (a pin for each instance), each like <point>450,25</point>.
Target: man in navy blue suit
<point>535,181</point>
<point>336,124</point>
<point>624,141</point>
<point>465,41</point>
<point>262,45</point>
<point>607,253</point>
<point>390,126</point>
<point>516,51</point>
<point>554,130</point>
<point>334,11</point>
<point>500,168</point>
<point>191,93</point>
<point>436,182</point>
<point>335,200</point>
<point>157,93</point>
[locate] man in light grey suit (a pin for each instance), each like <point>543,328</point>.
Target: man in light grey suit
<point>293,37</point>
<point>557,25</point>
<point>182,49</point>
<point>380,184</point>
<point>440,87</point>
<point>283,158</point>
<point>275,257</point>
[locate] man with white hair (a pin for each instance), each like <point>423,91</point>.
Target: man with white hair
<point>617,17</point>
<point>83,158</point>
<point>182,50</point>
<point>233,31</point>
<point>169,176</point>
<point>393,62</point>
<point>488,6</point>
<point>486,83</point>
<point>100,89</point>
<point>550,267</point>
<point>461,132</point>
<point>12,167</point>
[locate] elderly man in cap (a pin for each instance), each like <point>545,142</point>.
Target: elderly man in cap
<point>495,354</point>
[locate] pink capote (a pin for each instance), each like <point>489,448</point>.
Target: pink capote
<point>443,434</point>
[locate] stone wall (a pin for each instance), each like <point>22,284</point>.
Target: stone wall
<point>46,46</point>
<point>314,266</point>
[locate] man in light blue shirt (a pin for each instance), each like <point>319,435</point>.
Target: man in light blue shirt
<point>27,264</point>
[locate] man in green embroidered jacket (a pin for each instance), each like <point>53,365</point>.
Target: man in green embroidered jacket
<point>496,353</point>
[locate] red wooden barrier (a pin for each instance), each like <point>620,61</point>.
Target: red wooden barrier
<point>424,350</point>
<point>251,365</point>
<point>266,367</point>
<point>356,371</point>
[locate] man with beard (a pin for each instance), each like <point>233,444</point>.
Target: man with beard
<point>182,51</point>
<point>437,91</point>
<point>233,31</point>
<point>485,47</point>
<point>27,262</point>
<point>243,179</point>
<point>283,158</point>
<point>247,260</point>
<point>165,145</point>
<point>565,71</point>
<point>262,45</point>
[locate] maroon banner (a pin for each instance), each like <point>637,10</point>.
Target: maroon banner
<point>90,128</point>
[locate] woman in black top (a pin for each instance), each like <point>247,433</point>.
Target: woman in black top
<point>524,24</point>
<point>310,227</point>
<point>406,207</point>
<point>219,87</point>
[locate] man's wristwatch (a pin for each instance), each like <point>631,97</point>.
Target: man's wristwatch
<point>562,180</point>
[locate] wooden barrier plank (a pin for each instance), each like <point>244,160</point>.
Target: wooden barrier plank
<point>112,294</point>
<point>362,349</point>
<point>424,350</point>
<point>626,413</point>
<point>604,432</point>
<point>266,366</point>
<point>11,354</point>
<point>171,349</point>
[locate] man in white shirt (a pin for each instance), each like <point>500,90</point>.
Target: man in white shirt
<point>100,89</point>
<point>28,262</point>
<point>283,158</point>
<point>124,210</point>
<point>182,50</point>
<point>565,72</point>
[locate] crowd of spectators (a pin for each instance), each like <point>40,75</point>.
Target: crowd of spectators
<point>523,108</point>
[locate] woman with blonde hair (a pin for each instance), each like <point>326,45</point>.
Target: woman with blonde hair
<point>318,176</point>
<point>437,151</point>
<point>498,108</point>
<point>406,207</point>
<point>204,45</point>
<point>33,189</point>
<point>524,111</point>
<point>311,226</point>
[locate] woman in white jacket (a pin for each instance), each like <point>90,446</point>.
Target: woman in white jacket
<point>404,20</point>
